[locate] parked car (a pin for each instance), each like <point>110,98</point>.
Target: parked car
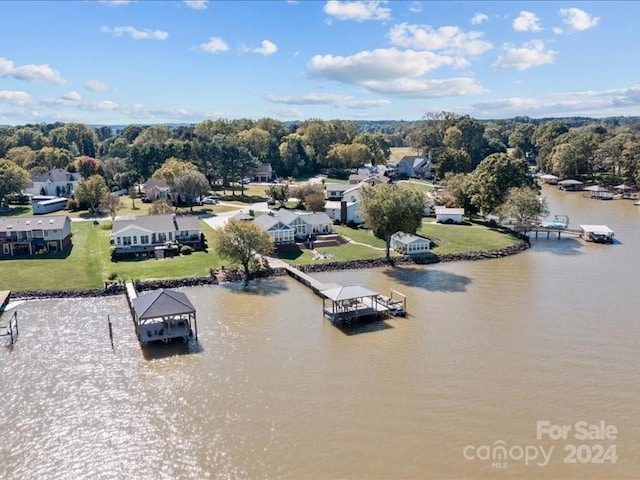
<point>209,200</point>
<point>245,180</point>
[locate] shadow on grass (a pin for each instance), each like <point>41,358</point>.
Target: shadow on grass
<point>15,211</point>
<point>259,287</point>
<point>49,256</point>
<point>159,350</point>
<point>358,328</point>
<point>430,279</point>
<point>559,246</point>
<point>290,254</point>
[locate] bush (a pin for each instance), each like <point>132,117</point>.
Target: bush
<point>186,250</point>
<point>72,204</point>
<point>112,276</point>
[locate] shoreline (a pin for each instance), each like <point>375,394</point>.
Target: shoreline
<point>118,288</point>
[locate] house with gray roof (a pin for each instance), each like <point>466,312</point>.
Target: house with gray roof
<point>409,244</point>
<point>288,225</point>
<point>26,236</point>
<point>146,233</point>
<point>414,166</point>
<point>55,183</point>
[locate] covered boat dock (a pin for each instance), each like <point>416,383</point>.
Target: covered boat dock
<point>596,233</point>
<point>164,315</point>
<point>350,303</point>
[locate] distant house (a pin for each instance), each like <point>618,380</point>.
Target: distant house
<point>409,244</point>
<point>145,233</point>
<point>334,191</point>
<point>22,236</point>
<point>374,179</point>
<point>55,183</point>
<point>412,166</point>
<point>156,190</point>
<point>264,173</point>
<point>449,215</point>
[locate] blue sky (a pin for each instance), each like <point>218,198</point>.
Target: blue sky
<point>121,62</point>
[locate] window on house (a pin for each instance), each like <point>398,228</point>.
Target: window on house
<point>162,237</point>
<point>5,249</point>
<point>119,241</point>
<point>144,239</point>
<point>126,240</point>
<point>135,239</point>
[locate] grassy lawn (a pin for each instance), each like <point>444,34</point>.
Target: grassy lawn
<point>419,184</point>
<point>360,235</point>
<point>463,238</point>
<point>333,254</point>
<point>398,152</point>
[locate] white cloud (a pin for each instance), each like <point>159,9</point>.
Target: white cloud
<point>479,18</point>
<point>426,88</point>
<point>214,45</point>
<point>95,86</point>
<point>338,101</point>
<point>196,4</point>
<point>15,97</point>
<point>359,11</point>
<point>266,48</point>
<point>527,22</point>
<point>30,72</point>
<point>415,7</point>
<point>578,19</point>
<point>135,33</point>
<point>72,96</point>
<point>528,55</point>
<point>447,39</point>
<point>381,64</point>
<point>115,3</point>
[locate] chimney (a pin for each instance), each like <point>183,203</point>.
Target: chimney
<point>343,212</point>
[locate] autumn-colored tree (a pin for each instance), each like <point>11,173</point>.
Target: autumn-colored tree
<point>87,166</point>
<point>91,191</point>
<point>111,204</point>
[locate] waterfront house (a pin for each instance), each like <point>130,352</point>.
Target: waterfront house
<point>409,244</point>
<point>264,173</point>
<point>343,211</point>
<point>24,236</point>
<point>55,183</point>
<point>449,215</point>
<point>147,233</point>
<point>279,231</point>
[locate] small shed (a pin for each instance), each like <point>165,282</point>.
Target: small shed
<point>449,215</point>
<point>599,192</point>
<point>50,205</point>
<point>409,244</point>
<point>549,179</point>
<point>164,315</point>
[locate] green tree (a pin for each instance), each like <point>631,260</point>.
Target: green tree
<point>189,185</point>
<point>91,191</point>
<point>48,158</point>
<point>279,192</point>
<point>378,145</point>
<point>524,205</point>
<point>21,156</point>
<point>13,179</point>
<point>132,192</point>
<point>242,242</point>
<point>493,178</point>
<point>522,138</point>
<point>348,155</point>
<point>387,209</point>
<point>160,207</point>
<point>314,201</point>
<point>458,189</point>
<point>111,204</point>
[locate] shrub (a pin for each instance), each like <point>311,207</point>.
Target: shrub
<point>72,204</point>
<point>186,250</point>
<point>112,276</point>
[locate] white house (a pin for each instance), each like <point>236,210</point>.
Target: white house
<point>449,215</point>
<point>145,233</point>
<point>334,191</point>
<point>20,236</point>
<point>156,190</point>
<point>342,211</point>
<point>279,231</point>
<point>409,244</point>
<point>55,183</point>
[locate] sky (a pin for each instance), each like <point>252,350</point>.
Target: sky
<point>145,62</point>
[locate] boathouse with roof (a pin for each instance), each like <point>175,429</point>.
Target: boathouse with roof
<point>162,315</point>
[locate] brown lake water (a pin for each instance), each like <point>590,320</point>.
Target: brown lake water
<point>489,349</point>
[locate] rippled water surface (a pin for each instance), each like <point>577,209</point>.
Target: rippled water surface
<point>275,391</point>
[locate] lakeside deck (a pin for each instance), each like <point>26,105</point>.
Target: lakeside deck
<point>343,304</point>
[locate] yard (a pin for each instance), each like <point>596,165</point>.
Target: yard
<point>463,238</point>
